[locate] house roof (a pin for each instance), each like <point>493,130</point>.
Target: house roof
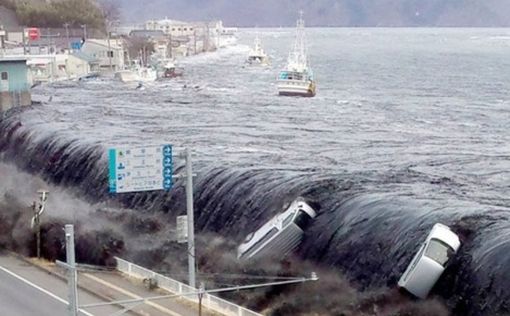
<point>88,58</point>
<point>114,43</point>
<point>19,59</point>
<point>147,33</point>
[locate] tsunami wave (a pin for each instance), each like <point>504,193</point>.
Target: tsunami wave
<point>365,228</point>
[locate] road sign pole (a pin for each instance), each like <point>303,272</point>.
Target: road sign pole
<point>71,272</point>
<point>189,210</point>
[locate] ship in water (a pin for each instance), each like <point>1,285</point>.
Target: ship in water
<point>257,55</point>
<point>297,77</point>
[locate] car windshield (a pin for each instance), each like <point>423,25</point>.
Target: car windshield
<point>439,251</point>
<point>288,219</point>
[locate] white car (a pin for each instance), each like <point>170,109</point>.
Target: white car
<point>280,235</point>
<point>430,261</point>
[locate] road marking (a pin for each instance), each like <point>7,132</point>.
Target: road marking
<point>40,289</point>
<point>132,295</point>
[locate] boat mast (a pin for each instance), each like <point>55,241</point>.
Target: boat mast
<point>298,55</point>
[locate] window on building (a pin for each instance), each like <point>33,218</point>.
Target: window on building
<point>185,29</point>
<point>173,29</point>
<point>5,76</point>
<point>110,53</point>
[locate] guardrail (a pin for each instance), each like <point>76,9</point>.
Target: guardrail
<point>212,302</point>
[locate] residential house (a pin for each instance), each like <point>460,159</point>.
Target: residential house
<point>109,53</point>
<point>79,64</point>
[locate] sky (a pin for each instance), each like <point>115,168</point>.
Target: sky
<point>275,13</point>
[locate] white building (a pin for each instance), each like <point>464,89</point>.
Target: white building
<point>79,64</point>
<point>55,67</point>
<point>173,28</point>
<point>109,53</point>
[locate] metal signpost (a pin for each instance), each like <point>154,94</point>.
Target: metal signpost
<point>151,168</point>
<point>191,225</point>
<point>70,266</point>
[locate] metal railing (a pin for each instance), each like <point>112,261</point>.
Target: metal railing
<point>212,302</point>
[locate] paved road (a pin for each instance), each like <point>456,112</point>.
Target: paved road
<point>28,290</point>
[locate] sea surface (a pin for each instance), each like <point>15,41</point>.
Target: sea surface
<point>409,127</point>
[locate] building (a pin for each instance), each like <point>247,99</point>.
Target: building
<point>173,28</point>
<point>109,53</point>
<point>55,67</point>
<point>14,84</point>
<point>79,64</point>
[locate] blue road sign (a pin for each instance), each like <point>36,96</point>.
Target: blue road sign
<point>140,169</point>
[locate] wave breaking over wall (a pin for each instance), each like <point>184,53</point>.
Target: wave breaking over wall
<point>368,226</point>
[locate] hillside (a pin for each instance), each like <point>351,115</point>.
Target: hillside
<point>52,13</point>
<point>325,12</point>
<point>8,18</point>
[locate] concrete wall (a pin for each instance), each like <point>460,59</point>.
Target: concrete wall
<point>9,100</point>
<point>15,91</point>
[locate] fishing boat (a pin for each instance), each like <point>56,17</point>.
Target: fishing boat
<point>297,77</point>
<point>257,55</point>
<point>138,74</point>
<point>170,70</point>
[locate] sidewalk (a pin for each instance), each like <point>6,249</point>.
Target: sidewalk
<point>107,286</point>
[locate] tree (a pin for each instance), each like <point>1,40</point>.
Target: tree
<point>140,48</point>
<point>110,10</point>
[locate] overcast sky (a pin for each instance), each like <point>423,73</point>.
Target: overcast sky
<point>325,12</point>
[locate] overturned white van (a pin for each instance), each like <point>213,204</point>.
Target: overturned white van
<point>280,235</point>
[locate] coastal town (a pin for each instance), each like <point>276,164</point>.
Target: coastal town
<point>34,55</point>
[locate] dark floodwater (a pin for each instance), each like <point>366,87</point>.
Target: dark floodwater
<point>409,127</point>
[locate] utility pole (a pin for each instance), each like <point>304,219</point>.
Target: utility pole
<point>195,40</point>
<point>66,25</point>
<point>190,213</point>
<point>71,272</point>
<point>3,33</point>
<point>36,219</point>
<point>110,53</point>
<point>84,27</point>
<point>201,292</point>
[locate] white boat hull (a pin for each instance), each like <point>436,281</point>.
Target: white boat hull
<point>136,76</point>
<point>126,76</point>
<point>296,88</point>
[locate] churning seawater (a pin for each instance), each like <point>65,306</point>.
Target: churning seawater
<point>409,127</point>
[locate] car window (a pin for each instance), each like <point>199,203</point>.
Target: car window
<point>288,219</point>
<point>439,251</point>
